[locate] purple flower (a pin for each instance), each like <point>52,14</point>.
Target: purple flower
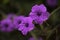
<point>26,26</point>
<point>31,38</point>
<point>39,13</point>
<point>0,25</point>
<point>17,20</point>
<point>11,16</point>
<point>6,25</point>
<point>51,3</point>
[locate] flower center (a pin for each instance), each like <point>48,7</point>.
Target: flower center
<point>38,13</point>
<point>6,25</point>
<point>26,24</point>
<point>19,22</point>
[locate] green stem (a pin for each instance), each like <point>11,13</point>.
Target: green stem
<point>42,28</point>
<point>57,35</point>
<point>54,11</point>
<point>51,32</point>
<point>47,23</point>
<point>33,35</point>
<point>52,14</point>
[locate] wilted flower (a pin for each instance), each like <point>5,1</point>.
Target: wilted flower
<point>6,25</point>
<point>26,26</point>
<point>39,13</point>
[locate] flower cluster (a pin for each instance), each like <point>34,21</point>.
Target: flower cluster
<point>25,24</point>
